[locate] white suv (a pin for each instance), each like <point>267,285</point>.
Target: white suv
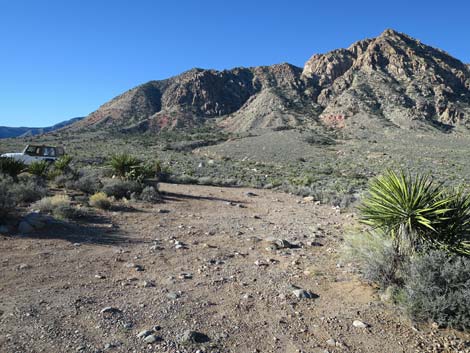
<point>34,153</point>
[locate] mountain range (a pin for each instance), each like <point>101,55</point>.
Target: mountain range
<point>6,132</point>
<point>391,81</point>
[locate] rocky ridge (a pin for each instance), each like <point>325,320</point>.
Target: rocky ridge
<point>391,80</point>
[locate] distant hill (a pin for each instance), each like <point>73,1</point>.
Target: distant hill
<point>6,131</point>
<point>391,81</point>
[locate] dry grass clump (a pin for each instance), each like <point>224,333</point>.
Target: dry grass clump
<point>100,200</point>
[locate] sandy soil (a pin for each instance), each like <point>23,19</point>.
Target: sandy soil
<point>203,261</point>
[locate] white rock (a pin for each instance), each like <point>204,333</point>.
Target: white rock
<point>359,324</point>
<point>144,333</point>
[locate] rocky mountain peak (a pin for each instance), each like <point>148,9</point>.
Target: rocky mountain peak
<point>391,79</point>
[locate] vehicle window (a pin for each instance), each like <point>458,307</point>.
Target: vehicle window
<point>50,151</point>
<point>39,151</point>
<point>31,150</point>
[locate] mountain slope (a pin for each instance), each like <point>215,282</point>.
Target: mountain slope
<point>393,77</point>
<point>392,80</point>
<point>6,132</point>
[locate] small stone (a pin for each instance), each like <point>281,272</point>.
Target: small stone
<point>194,337</point>
<point>173,295</point>
<point>163,211</point>
<point>283,244</point>
<point>250,194</point>
<point>359,324</point>
<point>139,268</point>
<point>24,267</point>
<point>260,263</point>
<point>144,333</point>
<point>151,339</point>
<point>185,276</point>
<point>147,284</point>
<point>331,342</point>
<point>110,310</point>
<point>309,199</point>
<point>304,294</point>
<point>100,277</point>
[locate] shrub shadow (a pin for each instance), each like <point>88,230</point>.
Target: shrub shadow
<point>92,229</point>
<point>171,196</point>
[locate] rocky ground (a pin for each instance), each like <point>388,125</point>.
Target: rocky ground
<point>209,270</point>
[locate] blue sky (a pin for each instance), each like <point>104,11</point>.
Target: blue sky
<point>61,59</point>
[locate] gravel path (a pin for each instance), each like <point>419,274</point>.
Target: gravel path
<point>209,270</point>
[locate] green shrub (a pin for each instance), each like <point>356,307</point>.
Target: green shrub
<point>438,288</point>
<point>408,208</point>
<point>376,257</point>
<point>28,190</point>
<point>119,188</point>
<point>86,182</point>
<point>150,194</point>
<point>11,167</point>
<point>100,200</point>
<point>67,211</point>
<point>39,168</point>
<point>7,201</point>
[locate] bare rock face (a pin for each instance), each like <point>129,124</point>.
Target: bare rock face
<point>391,81</point>
<point>393,77</point>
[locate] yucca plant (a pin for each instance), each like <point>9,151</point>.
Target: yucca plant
<point>11,167</point>
<point>409,208</point>
<point>123,164</point>
<point>39,168</point>
<point>454,231</point>
<point>63,163</point>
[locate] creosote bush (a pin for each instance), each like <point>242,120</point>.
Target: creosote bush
<point>119,188</point>
<point>438,288</point>
<point>7,201</point>
<point>11,167</point>
<point>150,194</point>
<point>24,189</point>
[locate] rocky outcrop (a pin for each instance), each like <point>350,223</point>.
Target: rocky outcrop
<point>393,79</point>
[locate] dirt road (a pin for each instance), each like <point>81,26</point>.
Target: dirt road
<point>209,270</point>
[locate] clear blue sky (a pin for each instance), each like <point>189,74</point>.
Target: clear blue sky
<point>61,59</point>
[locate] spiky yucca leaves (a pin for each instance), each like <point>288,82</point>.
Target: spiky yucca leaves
<point>454,231</point>
<point>63,163</point>
<point>39,168</point>
<point>122,164</point>
<point>408,208</point>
